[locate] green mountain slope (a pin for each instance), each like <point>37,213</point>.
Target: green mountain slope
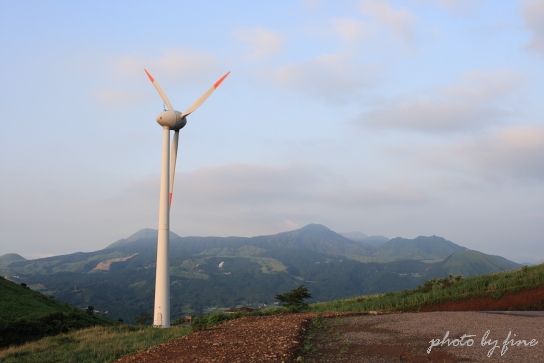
<point>374,241</point>
<point>492,288</point>
<point>470,263</point>
<point>10,257</point>
<point>26,315</point>
<point>317,238</point>
<point>209,272</point>
<point>18,301</point>
<point>420,248</point>
<point>142,233</point>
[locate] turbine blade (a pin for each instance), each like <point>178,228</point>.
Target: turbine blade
<point>203,98</point>
<point>173,157</point>
<point>160,90</point>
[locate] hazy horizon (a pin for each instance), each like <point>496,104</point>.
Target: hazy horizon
<point>184,236</point>
<point>394,118</point>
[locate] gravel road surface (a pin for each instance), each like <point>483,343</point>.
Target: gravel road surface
<point>404,337</point>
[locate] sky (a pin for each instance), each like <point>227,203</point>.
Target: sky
<point>395,118</point>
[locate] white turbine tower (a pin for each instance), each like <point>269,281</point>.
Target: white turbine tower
<point>169,120</point>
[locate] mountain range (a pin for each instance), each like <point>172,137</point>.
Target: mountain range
<point>223,272</point>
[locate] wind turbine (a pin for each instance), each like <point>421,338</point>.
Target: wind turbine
<point>169,120</point>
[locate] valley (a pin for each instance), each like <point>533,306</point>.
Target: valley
<point>216,273</point>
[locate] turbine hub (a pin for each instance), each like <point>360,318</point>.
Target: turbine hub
<point>171,119</point>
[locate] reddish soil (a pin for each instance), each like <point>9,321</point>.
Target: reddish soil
<point>280,338</point>
<point>521,300</point>
<point>276,338</point>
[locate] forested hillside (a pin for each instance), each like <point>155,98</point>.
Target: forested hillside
<point>217,272</point>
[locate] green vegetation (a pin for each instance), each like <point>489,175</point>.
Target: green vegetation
<point>429,285</point>
<point>470,263</point>
<point>215,318</point>
<point>294,299</point>
<point>106,344</point>
<point>18,300</point>
<point>92,345</point>
<point>433,291</point>
<point>438,291</point>
<point>323,341</point>
<point>255,270</point>
<point>420,248</point>
<point>27,315</point>
<point>53,331</point>
<point>10,257</point>
<point>143,318</point>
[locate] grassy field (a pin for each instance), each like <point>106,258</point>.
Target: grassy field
<point>91,345</point>
<point>107,344</point>
<point>19,301</point>
<point>27,315</point>
<point>441,290</point>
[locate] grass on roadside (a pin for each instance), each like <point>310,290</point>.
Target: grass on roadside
<point>433,291</point>
<point>107,344</point>
<point>323,340</point>
<point>439,291</point>
<point>92,345</point>
<point>216,318</point>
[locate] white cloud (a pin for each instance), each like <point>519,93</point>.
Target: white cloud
<point>533,14</point>
<point>256,198</point>
<point>250,186</point>
<point>233,199</point>
<point>261,42</point>
<point>400,23</point>
<point>485,86</point>
<point>515,151</point>
<point>176,64</point>
<point>504,154</point>
<point>235,183</point>
<point>471,105</point>
<point>350,30</point>
<point>430,116</point>
<point>242,185</point>
<point>333,78</point>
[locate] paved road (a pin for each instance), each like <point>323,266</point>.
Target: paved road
<point>517,313</point>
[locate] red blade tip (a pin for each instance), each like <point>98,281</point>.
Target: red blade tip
<point>220,80</point>
<point>150,77</point>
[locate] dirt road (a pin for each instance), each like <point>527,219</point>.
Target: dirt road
<point>406,337</point>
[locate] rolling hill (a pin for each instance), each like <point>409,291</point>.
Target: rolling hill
<point>421,248</point>
<point>374,241</point>
<point>10,257</point>
<point>470,263</point>
<point>27,315</point>
<point>213,272</point>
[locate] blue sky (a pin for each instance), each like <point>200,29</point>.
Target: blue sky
<point>395,118</point>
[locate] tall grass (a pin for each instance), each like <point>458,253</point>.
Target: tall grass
<point>92,345</point>
<point>494,285</point>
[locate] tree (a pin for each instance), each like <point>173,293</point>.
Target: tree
<point>295,298</point>
<point>90,310</point>
<point>142,319</point>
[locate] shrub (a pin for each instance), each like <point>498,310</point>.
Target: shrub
<point>143,318</point>
<point>294,299</point>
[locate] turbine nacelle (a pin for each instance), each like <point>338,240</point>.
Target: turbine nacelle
<point>171,119</point>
